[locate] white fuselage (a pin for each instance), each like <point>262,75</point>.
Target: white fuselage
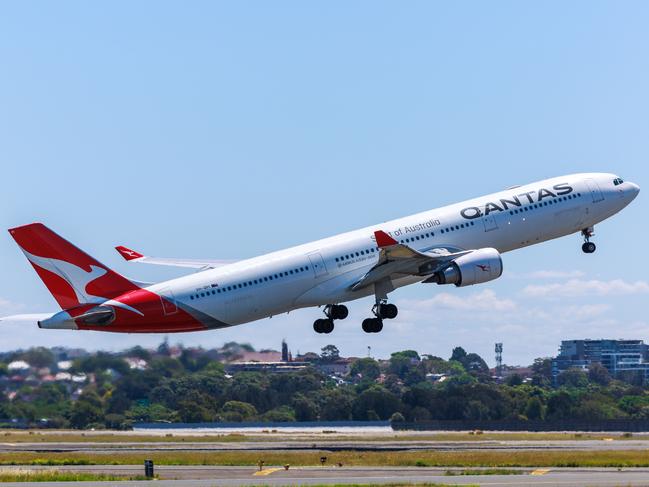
<point>322,272</point>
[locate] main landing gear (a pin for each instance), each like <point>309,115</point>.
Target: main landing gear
<point>381,310</point>
<point>588,247</point>
<point>333,312</point>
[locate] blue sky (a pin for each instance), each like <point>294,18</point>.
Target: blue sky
<point>227,130</point>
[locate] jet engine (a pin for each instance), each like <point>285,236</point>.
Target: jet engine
<point>479,266</point>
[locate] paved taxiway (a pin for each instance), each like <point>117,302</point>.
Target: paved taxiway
<point>324,445</point>
<point>204,476</point>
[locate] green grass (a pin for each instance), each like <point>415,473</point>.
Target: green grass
<point>113,437</point>
<point>429,458</point>
<point>485,471</point>
<point>56,476</point>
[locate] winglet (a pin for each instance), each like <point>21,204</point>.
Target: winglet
<point>383,239</point>
<point>127,253</point>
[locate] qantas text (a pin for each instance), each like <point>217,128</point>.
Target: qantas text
<point>505,203</point>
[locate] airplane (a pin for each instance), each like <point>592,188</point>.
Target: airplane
<point>460,244</point>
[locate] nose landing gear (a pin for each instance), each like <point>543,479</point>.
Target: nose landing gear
<point>333,312</point>
<point>588,247</point>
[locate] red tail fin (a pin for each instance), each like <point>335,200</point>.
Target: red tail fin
<point>71,275</point>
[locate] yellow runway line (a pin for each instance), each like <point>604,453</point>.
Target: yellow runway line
<point>266,471</point>
<point>540,471</point>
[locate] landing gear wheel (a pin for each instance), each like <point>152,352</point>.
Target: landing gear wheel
<point>588,247</point>
<point>328,326</point>
<point>372,325</point>
<point>338,312</point>
<point>367,325</point>
<point>378,325</point>
<point>323,326</point>
<point>388,311</point>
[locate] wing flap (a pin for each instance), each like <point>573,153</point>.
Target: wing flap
<point>397,259</point>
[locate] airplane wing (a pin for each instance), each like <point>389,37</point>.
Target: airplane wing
<point>134,256</point>
<point>399,260</point>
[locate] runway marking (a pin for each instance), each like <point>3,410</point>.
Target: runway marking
<point>266,471</point>
<point>540,471</point>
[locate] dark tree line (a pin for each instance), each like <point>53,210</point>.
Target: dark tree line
<point>194,388</point>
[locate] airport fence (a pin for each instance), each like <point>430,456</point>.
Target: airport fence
<point>626,425</point>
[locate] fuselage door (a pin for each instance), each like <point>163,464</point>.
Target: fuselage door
<point>490,223</point>
<point>317,264</point>
<point>595,192</point>
<point>168,301</point>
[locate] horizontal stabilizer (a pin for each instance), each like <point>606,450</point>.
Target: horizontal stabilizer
<point>135,256</point>
<point>32,318</point>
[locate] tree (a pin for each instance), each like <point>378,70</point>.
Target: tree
<point>598,374</point>
<point>397,418</point>
<point>39,357</point>
<point>514,380</point>
<point>476,366</point>
<point>560,405</point>
<point>542,371</point>
<point>573,377</point>
<point>534,408</point>
<point>458,354</point>
<point>377,399</point>
<point>336,404</point>
<point>86,410</point>
<point>238,411</point>
<point>305,409</point>
<point>476,410</point>
<point>282,414</point>
<point>329,354</point>
<point>401,363</point>
<point>367,368</point>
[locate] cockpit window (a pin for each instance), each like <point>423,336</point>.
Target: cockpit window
<point>618,181</point>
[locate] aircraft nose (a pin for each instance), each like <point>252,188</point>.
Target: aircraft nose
<point>633,190</point>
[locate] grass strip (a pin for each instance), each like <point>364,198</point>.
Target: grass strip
<point>56,476</point>
<point>431,458</point>
<point>485,471</point>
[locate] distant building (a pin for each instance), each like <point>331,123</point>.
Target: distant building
<point>620,357</point>
<point>275,367</point>
<point>340,367</point>
<point>267,356</point>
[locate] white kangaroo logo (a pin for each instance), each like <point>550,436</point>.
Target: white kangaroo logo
<point>77,278</point>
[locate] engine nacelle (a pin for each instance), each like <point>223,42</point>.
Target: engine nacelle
<point>479,266</point>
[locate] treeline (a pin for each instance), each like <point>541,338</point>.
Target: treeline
<point>193,388</point>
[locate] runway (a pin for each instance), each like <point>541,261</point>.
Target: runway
<point>207,476</point>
